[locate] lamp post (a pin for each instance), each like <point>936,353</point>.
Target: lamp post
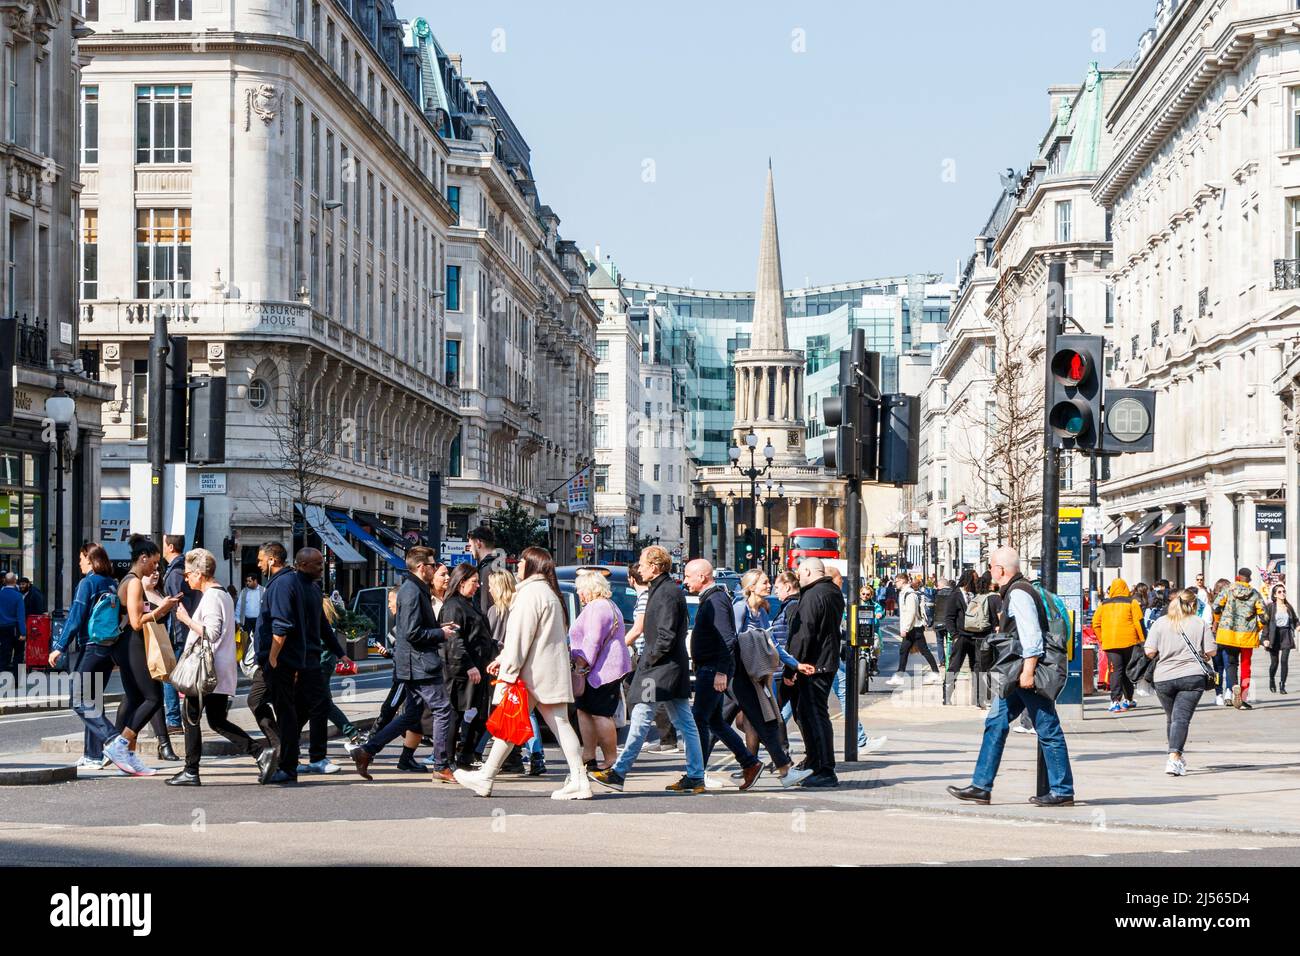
<point>768,501</point>
<point>632,530</point>
<point>731,510</point>
<point>753,472</point>
<point>61,409</point>
<point>552,509</point>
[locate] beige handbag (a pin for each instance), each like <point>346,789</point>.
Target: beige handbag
<point>158,651</point>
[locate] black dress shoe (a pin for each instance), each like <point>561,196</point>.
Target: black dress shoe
<point>537,766</point>
<point>267,761</point>
<point>1052,800</point>
<point>411,766</point>
<point>823,780</point>
<point>972,794</point>
<point>165,751</point>
<point>184,779</point>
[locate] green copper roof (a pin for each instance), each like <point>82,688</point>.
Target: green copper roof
<point>1085,138</point>
<point>432,90</point>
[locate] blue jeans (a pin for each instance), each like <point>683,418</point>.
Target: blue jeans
<point>840,683</point>
<point>534,746</point>
<point>94,664</point>
<point>1050,738</point>
<point>642,719</point>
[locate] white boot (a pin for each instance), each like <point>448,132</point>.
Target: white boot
<point>474,780</point>
<point>578,789</point>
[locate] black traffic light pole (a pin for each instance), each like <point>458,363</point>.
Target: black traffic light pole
<point>159,347</point>
<point>1051,456</point>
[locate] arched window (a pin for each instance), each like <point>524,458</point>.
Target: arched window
<point>453,458</point>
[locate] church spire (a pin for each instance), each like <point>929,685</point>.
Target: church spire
<point>768,330</point>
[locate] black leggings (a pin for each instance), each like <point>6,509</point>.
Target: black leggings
<point>142,695</point>
<point>1277,660</point>
<point>769,732</point>
<point>1121,685</point>
<point>217,707</point>
<point>966,648</point>
<point>915,638</point>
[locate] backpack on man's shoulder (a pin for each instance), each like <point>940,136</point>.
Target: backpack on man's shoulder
<point>1058,615</point>
<point>104,623</point>
<point>977,619</point>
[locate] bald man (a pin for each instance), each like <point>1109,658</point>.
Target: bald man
<point>1024,616</point>
<point>815,644</point>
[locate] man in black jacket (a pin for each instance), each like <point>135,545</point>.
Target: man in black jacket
<point>281,647</point>
<point>311,691</point>
<point>815,644</point>
<point>488,558</point>
<point>663,674</point>
<point>416,660</point>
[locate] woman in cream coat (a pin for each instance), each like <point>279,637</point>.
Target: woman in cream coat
<point>536,653</point>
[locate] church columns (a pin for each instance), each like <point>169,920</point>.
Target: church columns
<point>728,535</point>
<point>821,513</point>
<point>791,517</point>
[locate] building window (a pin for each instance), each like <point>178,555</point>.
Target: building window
<point>90,125</point>
<point>1064,214</point>
<point>657,504</point>
<point>315,154</point>
<point>90,253</point>
<point>656,470</point>
<point>602,350</point>
<point>259,393</point>
<point>453,199</point>
<point>453,458</point>
<point>162,254</point>
<point>1133,347</point>
<point>600,434</point>
<point>452,365</point>
<point>647,411</point>
<point>164,9</point>
<point>140,399</point>
<point>602,386</point>
<point>1110,306</point>
<point>162,124</point>
<point>1295,117</point>
<point>943,482</point>
<point>453,288</point>
<point>602,479</point>
<point>1294,249</point>
<point>1068,305</point>
<point>1155,331</point>
<point>329,167</point>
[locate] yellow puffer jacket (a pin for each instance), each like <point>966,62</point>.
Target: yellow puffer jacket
<point>1118,621</point>
<point>1239,613</point>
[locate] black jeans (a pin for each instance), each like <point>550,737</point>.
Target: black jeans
<point>707,710</point>
<point>1277,661</point>
<point>217,707</point>
<point>966,648</point>
<point>1179,697</point>
<point>915,638</point>
<point>11,650</point>
<point>260,697</point>
<point>428,694</point>
<point>814,713</point>
<point>463,735</point>
<point>288,728</point>
<point>769,731</point>
<point>1121,685</point>
<point>142,695</point>
<point>311,701</point>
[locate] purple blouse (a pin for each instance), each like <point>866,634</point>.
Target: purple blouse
<point>597,637</point>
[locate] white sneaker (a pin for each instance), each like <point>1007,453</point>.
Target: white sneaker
<point>794,777</point>
<point>349,746</point>
<point>1218,700</point>
<point>90,763</point>
<point>896,681</point>
<point>474,780</point>
<point>1175,768</point>
<point>932,677</point>
<point>711,782</point>
<point>873,744</point>
<point>138,766</point>
<point>320,766</point>
<point>117,751</point>
<point>1022,729</point>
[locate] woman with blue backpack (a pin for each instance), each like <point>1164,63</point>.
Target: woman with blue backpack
<point>93,628</point>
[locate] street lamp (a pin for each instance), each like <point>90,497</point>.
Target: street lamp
<point>61,409</point>
<point>753,472</point>
<point>552,509</point>
<point>632,530</point>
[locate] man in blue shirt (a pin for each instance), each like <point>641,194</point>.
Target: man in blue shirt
<point>13,625</point>
<point>1023,616</point>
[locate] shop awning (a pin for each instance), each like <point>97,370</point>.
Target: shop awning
<point>1130,535</point>
<point>1172,525</point>
<point>338,546</point>
<point>352,527</point>
<point>380,530</point>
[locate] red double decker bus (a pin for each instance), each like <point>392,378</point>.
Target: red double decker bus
<point>810,543</point>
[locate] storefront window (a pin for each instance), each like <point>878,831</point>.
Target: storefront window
<point>22,515</point>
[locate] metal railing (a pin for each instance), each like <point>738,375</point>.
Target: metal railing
<point>1286,273</point>
<point>33,341</point>
<point>89,363</point>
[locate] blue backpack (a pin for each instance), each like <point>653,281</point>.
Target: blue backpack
<point>104,623</point>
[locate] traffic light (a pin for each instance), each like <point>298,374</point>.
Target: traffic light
<point>1130,417</point>
<point>207,407</point>
<point>178,399</point>
<point>900,439</point>
<point>842,414</point>
<point>8,368</point>
<point>1074,406</point>
<point>227,548</point>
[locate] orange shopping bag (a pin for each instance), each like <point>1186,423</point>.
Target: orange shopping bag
<point>509,720</point>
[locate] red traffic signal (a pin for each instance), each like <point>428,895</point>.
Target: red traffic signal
<point>1071,367</point>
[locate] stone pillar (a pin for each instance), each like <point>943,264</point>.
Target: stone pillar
<point>1219,519</point>
<point>820,520</point>
<point>706,532</point>
<point>728,534</point>
<point>1249,553</point>
<point>742,394</point>
<point>791,517</point>
<point>1193,561</point>
<point>794,395</point>
<point>755,394</point>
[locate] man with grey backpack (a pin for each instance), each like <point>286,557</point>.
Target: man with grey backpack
<point>969,615</point>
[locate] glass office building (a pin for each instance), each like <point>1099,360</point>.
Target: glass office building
<point>818,322</point>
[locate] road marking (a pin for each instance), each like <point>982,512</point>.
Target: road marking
<point>1097,856</point>
<point>1173,851</point>
<point>246,822</point>
<point>1249,848</point>
<point>151,824</point>
<point>934,863</point>
<point>1015,859</point>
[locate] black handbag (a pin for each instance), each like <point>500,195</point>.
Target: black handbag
<point>1140,667</point>
<point>1207,669</point>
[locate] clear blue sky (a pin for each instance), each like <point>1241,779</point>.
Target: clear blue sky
<point>859,125</point>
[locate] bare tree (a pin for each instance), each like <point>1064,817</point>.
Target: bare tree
<point>1009,459</point>
<point>303,444</point>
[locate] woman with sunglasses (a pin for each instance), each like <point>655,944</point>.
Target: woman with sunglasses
<point>214,618</point>
<point>1279,638</point>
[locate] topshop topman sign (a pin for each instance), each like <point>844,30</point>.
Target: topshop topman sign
<point>1271,518</point>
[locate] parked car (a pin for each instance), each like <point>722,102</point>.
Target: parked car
<point>373,603</point>
<point>728,579</point>
<point>624,595</point>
